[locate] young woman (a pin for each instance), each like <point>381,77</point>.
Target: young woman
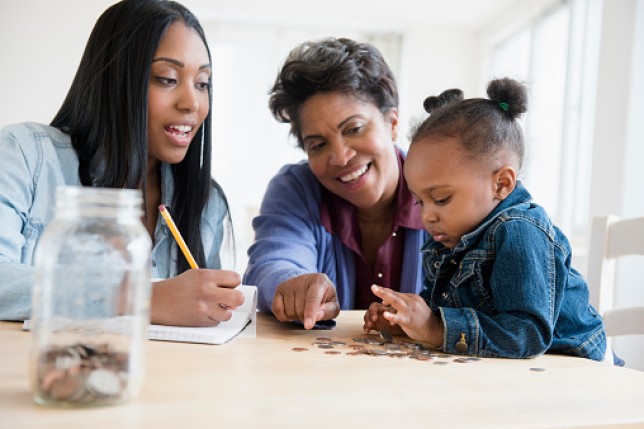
<point>137,115</point>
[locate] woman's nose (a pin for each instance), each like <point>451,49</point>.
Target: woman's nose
<point>341,154</point>
<point>188,99</point>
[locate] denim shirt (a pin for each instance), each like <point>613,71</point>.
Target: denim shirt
<point>508,290</point>
<point>34,160</point>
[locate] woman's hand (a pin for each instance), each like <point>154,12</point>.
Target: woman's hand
<point>412,314</point>
<point>309,298</point>
<point>197,297</point>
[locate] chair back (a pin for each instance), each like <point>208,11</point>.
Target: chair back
<point>612,238</point>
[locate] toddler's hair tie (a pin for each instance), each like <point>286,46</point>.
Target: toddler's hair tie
<point>504,106</point>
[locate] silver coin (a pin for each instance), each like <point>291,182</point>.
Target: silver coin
<point>103,382</point>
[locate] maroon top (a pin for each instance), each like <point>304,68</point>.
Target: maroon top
<point>338,216</point>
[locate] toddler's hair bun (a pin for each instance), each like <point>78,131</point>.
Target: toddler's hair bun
<point>510,95</point>
<point>446,97</point>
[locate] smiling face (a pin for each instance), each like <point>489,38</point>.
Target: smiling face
<point>178,100</point>
<point>455,192</point>
<point>349,144</point>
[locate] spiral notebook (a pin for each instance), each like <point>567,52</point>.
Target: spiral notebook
<point>243,323</point>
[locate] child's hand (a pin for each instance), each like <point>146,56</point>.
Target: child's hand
<point>373,320</point>
<point>411,313</point>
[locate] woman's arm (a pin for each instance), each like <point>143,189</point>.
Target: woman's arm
<point>285,259</point>
<point>18,233</point>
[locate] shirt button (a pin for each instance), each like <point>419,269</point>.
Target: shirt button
<point>445,295</point>
<point>154,263</point>
<point>379,275</point>
<point>393,234</point>
<point>437,264</point>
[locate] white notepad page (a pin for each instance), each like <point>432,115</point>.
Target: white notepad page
<point>243,323</point>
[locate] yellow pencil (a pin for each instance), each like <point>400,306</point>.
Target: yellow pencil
<point>177,236</point>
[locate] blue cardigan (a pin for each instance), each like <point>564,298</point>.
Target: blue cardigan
<point>290,240</point>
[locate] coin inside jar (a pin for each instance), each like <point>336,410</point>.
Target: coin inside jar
<point>103,382</point>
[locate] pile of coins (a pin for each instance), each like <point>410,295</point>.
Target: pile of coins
<point>384,346</point>
<point>82,374</point>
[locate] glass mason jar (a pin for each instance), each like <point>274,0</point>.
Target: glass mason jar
<point>91,296</point>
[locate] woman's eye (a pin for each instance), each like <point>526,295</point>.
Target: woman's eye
<point>355,130</point>
<point>418,202</point>
<point>314,147</point>
<point>203,86</point>
<point>166,80</point>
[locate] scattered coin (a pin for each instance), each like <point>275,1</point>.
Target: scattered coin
<point>299,349</point>
<point>537,369</point>
<point>384,345</point>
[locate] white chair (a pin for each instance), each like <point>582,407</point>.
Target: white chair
<point>610,239</point>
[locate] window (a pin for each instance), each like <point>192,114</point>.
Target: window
<point>556,55</point>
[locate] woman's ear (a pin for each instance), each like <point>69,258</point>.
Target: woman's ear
<point>505,180</point>
<point>392,118</point>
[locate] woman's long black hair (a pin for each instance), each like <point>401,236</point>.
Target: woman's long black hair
<point>106,112</point>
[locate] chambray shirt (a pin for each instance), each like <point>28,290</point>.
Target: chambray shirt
<point>34,160</point>
<point>508,289</point>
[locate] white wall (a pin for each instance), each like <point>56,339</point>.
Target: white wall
<point>41,43</point>
<point>435,59</point>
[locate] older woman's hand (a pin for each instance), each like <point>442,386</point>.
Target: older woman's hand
<point>309,298</point>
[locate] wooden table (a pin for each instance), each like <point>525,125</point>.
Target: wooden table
<point>263,383</point>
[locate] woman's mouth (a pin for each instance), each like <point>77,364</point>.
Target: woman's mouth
<point>179,130</point>
<point>355,175</point>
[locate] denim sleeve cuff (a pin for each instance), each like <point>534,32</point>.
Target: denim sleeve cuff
<point>461,331</point>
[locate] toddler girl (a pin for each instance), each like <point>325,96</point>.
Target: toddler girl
<point>497,271</point>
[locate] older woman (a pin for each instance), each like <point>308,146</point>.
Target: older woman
<point>331,227</point>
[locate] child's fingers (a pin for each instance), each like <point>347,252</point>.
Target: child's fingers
<point>390,298</point>
<point>384,294</point>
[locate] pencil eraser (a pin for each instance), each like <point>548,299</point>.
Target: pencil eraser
<point>161,208</point>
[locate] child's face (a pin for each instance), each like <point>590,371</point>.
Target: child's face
<point>455,193</point>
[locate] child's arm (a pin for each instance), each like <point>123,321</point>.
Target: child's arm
<point>411,313</point>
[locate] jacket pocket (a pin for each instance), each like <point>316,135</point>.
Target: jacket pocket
<point>468,284</point>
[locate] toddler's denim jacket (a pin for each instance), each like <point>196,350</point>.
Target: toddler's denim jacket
<point>508,290</point>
